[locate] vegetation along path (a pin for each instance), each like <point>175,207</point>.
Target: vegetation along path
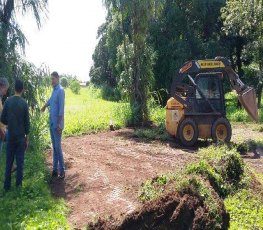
<point>105,171</point>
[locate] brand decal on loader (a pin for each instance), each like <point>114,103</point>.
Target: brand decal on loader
<point>210,64</point>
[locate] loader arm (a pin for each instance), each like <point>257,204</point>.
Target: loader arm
<point>246,94</point>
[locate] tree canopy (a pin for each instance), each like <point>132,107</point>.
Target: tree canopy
<point>142,44</point>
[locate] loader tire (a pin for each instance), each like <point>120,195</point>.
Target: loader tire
<point>221,131</point>
<point>188,132</point>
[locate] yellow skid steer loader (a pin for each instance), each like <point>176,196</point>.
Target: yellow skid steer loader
<point>197,107</point>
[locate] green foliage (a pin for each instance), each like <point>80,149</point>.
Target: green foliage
<point>152,189</point>
<point>196,186</point>
<point>215,179</point>
<point>32,206</point>
<point>109,93</point>
<point>38,131</point>
<point>75,86</point>
<point>222,167</point>
<point>224,170</point>
<point>236,114</point>
<point>246,210</point>
<point>64,82</point>
<point>88,113</point>
<point>226,161</point>
<point>154,133</point>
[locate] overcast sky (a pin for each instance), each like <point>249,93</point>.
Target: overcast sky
<point>68,37</point>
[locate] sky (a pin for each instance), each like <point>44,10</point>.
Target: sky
<point>68,37</point>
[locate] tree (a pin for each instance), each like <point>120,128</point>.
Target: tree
<point>75,86</point>
<point>11,35</point>
<point>140,75</point>
<point>64,82</point>
<point>243,21</point>
<point>184,30</point>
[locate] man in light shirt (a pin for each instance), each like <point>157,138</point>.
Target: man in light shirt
<point>56,105</point>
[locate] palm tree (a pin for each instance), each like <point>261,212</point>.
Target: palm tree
<point>11,35</point>
<point>139,12</point>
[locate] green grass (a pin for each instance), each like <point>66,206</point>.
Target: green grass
<point>31,207</point>
<point>88,113</point>
<point>238,115</point>
<point>246,210</point>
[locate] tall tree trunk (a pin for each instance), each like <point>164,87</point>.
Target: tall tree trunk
<point>5,18</point>
<point>136,94</point>
<point>139,85</point>
<point>239,48</point>
<point>260,87</point>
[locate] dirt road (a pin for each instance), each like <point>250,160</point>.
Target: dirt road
<point>105,171</point>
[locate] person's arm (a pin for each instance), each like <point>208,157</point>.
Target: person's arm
<point>27,120</point>
<point>61,104</point>
<point>2,127</point>
<point>45,106</point>
<point>4,116</point>
<point>27,125</point>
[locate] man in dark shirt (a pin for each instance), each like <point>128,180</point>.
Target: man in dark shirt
<point>16,116</point>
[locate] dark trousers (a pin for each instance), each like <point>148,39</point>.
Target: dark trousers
<point>14,149</point>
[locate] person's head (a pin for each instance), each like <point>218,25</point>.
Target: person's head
<point>54,79</point>
<point>4,85</point>
<point>19,86</point>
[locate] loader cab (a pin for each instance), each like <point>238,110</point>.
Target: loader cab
<point>212,87</point>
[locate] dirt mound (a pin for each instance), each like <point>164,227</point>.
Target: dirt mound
<point>171,211</point>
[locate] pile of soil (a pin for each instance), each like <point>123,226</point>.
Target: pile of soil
<point>172,211</point>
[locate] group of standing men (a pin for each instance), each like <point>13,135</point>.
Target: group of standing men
<point>15,128</point>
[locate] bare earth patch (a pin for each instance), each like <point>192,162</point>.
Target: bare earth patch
<point>105,171</point>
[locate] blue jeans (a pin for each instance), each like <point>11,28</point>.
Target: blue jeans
<point>14,149</point>
<point>58,159</point>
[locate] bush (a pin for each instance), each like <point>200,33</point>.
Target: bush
<point>64,82</point>
<point>75,87</point>
<point>227,162</point>
<point>110,94</point>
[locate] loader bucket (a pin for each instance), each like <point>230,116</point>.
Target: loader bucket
<point>248,99</point>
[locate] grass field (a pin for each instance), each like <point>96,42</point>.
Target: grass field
<point>33,207</point>
<point>88,113</point>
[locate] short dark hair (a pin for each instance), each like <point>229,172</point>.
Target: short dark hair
<point>19,86</point>
<point>55,74</point>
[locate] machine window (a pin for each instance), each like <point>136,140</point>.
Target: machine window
<point>209,86</point>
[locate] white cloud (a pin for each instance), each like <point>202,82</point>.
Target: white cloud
<point>68,37</point>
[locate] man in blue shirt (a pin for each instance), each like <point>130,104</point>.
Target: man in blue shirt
<point>56,105</point>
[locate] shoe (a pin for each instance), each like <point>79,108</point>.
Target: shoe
<point>62,175</point>
<point>54,174</point>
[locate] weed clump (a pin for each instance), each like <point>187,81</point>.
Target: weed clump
<point>222,167</point>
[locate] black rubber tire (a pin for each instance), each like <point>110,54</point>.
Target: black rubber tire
<point>227,124</point>
<point>188,121</point>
